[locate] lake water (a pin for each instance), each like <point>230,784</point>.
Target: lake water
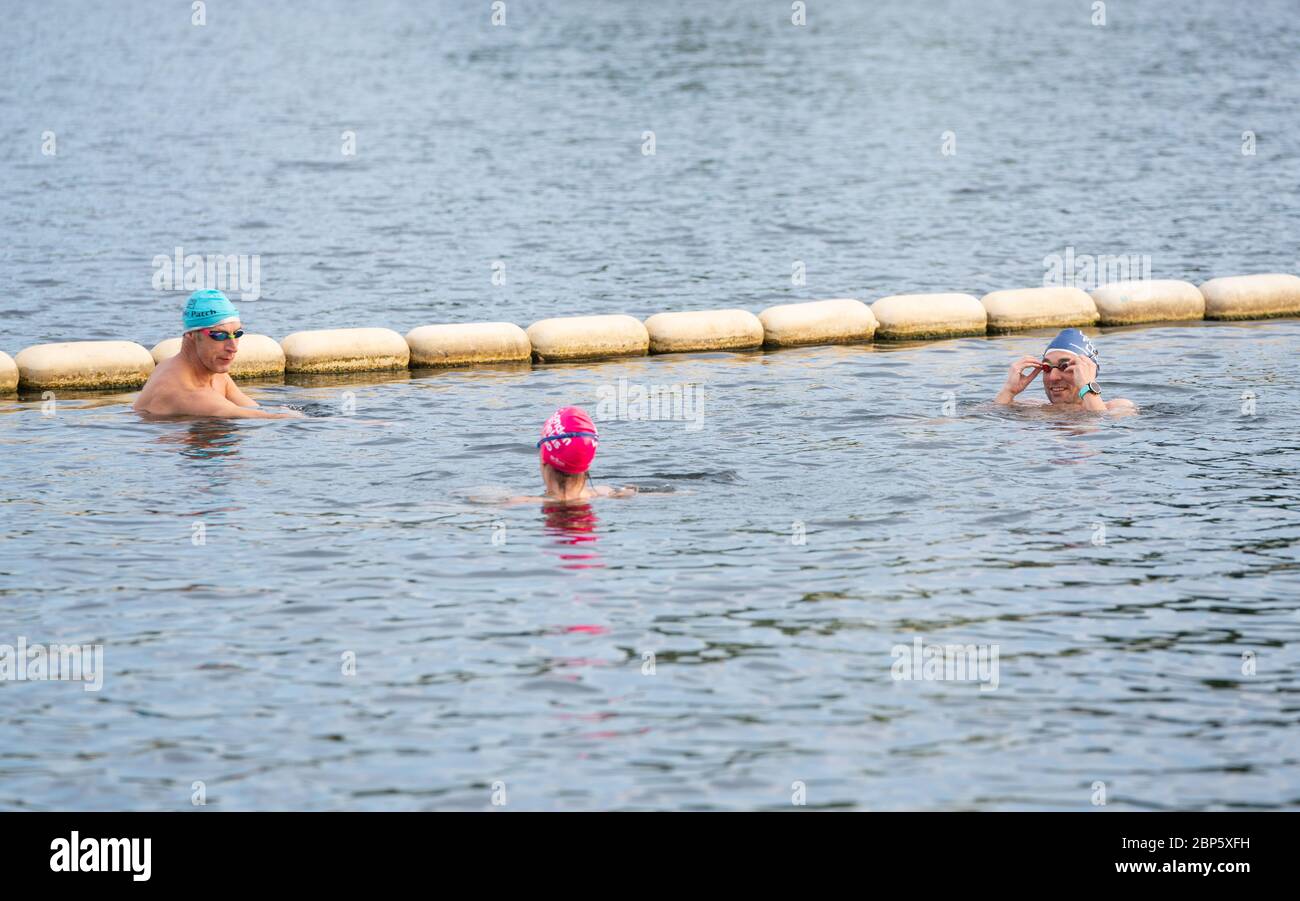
<point>1137,577</point>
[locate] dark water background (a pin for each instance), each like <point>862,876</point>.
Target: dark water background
<point>522,143</point>
<point>926,512</point>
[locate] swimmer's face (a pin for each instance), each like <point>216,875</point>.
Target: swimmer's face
<point>1059,383</point>
<point>217,356</point>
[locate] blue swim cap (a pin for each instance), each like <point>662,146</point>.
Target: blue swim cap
<point>208,308</point>
<point>1074,341</point>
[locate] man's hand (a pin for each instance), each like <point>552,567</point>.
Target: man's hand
<point>1016,381</point>
<point>1085,372</point>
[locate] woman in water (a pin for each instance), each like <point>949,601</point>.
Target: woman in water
<point>566,449</point>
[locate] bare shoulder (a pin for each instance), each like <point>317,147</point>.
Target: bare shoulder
<point>165,399</point>
<point>607,491</point>
<point>163,373</point>
<point>156,388</point>
<point>167,394</point>
<point>165,370</point>
<point>1121,405</point>
<point>153,401</point>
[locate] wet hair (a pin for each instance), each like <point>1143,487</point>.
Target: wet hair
<point>569,478</point>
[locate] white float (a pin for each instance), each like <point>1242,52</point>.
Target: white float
<point>345,350</point>
<point>839,321</point>
<point>1028,308</point>
<point>1252,296</point>
<point>1153,300</point>
<point>8,374</point>
<point>702,330</point>
<point>72,365</point>
<point>916,317</point>
<point>587,338</point>
<point>464,344</point>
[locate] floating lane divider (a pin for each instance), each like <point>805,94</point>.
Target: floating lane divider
<point>99,365</point>
<point>917,317</point>
<point>83,365</point>
<point>1252,296</point>
<point>345,350</point>
<point>839,321</point>
<point>259,356</point>
<point>1138,302</point>
<point>465,344</point>
<point>8,374</point>
<point>587,338</point>
<point>703,330</point>
<point>1030,308</point>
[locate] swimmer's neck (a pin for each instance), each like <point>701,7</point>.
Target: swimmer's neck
<point>566,488</point>
<point>192,368</point>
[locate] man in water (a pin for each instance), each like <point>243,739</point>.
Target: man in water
<point>1070,376</point>
<point>195,381</point>
<point>566,449</point>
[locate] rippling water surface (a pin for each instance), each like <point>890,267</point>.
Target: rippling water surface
<point>1138,576</point>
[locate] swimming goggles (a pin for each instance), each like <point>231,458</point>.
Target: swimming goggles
<point>219,335</point>
<point>592,435</point>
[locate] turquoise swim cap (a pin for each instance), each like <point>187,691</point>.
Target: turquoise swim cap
<point>208,308</point>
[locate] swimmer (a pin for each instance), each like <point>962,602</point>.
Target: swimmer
<point>195,381</point>
<point>1070,376</point>
<point>566,449</point>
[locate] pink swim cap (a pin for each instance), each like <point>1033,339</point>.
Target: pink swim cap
<point>569,440</point>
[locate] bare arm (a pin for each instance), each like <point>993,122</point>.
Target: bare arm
<point>235,396</point>
<point>207,403</point>
<point>1016,382</point>
<point>1094,404</point>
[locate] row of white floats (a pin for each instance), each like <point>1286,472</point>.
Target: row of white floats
<point>903,317</point>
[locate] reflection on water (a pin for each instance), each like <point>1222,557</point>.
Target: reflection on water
<point>205,439</point>
<point>744,616</point>
<point>573,524</point>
